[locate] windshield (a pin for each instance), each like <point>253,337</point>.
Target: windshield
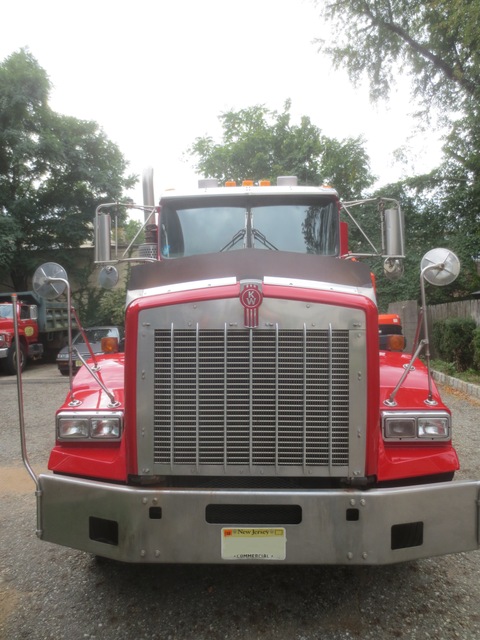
<point>302,225</point>
<point>96,335</point>
<point>6,311</point>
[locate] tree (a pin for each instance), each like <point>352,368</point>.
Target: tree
<point>54,171</point>
<point>262,144</point>
<point>436,43</point>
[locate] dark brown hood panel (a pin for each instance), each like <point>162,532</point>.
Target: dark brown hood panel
<point>244,264</point>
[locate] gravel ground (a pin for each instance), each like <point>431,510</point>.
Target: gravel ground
<point>49,592</point>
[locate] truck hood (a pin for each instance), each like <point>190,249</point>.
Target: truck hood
<point>250,264</point>
<point>414,390</point>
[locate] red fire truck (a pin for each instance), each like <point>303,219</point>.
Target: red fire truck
<point>253,417</point>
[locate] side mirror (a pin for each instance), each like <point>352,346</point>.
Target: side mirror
<point>108,277</point>
<point>50,281</point>
<point>393,268</point>
<point>393,232</point>
<point>103,228</point>
<point>440,267</point>
<point>33,312</point>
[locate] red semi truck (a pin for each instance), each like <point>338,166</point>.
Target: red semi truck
<point>253,417</point>
<point>43,326</point>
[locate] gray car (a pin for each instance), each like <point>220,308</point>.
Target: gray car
<point>94,336</point>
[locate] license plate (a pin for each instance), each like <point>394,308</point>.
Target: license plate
<point>78,363</point>
<point>254,544</point>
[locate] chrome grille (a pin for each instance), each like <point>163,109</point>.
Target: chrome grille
<point>275,400</point>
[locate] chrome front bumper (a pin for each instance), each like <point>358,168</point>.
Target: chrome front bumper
<point>379,526</point>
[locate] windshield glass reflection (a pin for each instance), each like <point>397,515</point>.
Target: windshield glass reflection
<point>304,225</point>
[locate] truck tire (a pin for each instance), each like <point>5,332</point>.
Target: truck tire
<point>11,359</point>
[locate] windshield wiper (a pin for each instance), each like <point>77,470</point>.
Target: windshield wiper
<point>258,235</point>
<point>240,235</point>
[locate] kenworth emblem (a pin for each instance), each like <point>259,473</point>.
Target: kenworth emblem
<point>251,298</point>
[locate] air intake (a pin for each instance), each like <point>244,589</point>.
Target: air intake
<point>148,251</point>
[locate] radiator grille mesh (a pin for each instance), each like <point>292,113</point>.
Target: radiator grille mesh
<point>263,398</point>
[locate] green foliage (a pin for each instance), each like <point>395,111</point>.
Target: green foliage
<point>452,341</point>
<point>476,349</point>
<point>54,170</point>
<point>470,375</point>
<point>435,40</point>
<point>436,43</point>
<point>112,307</point>
<point>262,144</point>
<point>95,306</point>
<point>130,230</point>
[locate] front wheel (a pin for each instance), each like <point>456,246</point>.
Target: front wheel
<point>11,359</point>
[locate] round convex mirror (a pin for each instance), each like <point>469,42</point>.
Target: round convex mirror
<point>445,266</point>
<point>108,277</point>
<point>47,280</point>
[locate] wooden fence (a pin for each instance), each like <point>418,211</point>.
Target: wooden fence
<point>461,309</point>
<point>408,312</point>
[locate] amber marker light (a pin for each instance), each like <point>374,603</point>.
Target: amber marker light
<point>109,345</point>
<point>230,183</point>
<point>396,342</point>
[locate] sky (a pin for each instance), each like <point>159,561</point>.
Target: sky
<point>156,74</point>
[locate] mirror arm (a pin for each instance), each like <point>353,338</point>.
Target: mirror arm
<point>425,343</point>
<point>390,401</point>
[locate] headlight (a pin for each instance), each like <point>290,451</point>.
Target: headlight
<point>96,426</point>
<point>105,428</point>
<point>400,428</point>
<point>412,426</point>
<point>72,428</point>
<point>433,427</point>
<point>2,340</point>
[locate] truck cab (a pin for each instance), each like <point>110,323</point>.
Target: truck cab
<point>29,335</point>
<point>252,417</point>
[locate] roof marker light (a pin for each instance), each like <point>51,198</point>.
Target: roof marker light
<point>247,183</point>
<point>230,183</point>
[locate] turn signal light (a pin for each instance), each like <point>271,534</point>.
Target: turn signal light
<point>395,342</point>
<point>109,345</point>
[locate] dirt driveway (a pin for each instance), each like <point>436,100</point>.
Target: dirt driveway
<point>54,593</point>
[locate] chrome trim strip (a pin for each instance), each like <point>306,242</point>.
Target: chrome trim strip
<point>181,286</point>
<point>330,395</point>
<point>368,292</point>
<point>318,285</point>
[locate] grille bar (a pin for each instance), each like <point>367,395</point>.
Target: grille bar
<point>272,399</point>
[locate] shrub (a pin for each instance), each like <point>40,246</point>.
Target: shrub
<point>453,341</point>
<point>476,349</point>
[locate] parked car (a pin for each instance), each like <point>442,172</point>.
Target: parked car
<point>94,336</point>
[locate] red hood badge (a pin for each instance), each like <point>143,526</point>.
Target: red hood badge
<point>251,298</point>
